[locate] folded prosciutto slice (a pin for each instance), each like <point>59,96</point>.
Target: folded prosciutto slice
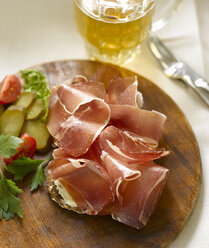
<point>75,112</point>
<point>127,146</point>
<point>124,91</point>
<point>72,96</point>
<point>76,181</point>
<point>146,124</point>
<point>118,172</point>
<point>80,130</point>
<point>106,145</point>
<point>140,197</point>
<point>57,115</point>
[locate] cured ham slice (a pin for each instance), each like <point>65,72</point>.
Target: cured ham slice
<point>80,130</point>
<point>60,153</point>
<point>83,184</point>
<point>140,197</point>
<point>57,115</point>
<point>146,124</point>
<point>118,172</point>
<point>105,74</point>
<point>75,113</point>
<point>92,154</point>
<point>66,99</point>
<point>126,146</point>
<point>95,88</point>
<point>124,91</point>
<point>72,96</point>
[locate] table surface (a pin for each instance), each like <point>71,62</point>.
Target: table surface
<point>33,32</point>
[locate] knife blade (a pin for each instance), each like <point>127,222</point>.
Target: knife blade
<point>176,69</point>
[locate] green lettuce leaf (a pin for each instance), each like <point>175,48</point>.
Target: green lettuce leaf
<point>35,81</point>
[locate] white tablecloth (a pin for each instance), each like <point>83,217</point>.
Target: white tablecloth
<point>33,32</point>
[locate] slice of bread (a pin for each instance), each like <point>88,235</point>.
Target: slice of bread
<point>54,194</point>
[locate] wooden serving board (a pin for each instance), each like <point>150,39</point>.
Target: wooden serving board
<point>45,224</point>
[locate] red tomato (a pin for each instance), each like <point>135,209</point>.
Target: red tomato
<point>9,89</point>
<point>26,149</point>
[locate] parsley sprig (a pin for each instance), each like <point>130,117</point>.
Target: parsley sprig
<point>9,202</point>
<point>9,145</point>
<point>39,176</point>
<point>23,166</point>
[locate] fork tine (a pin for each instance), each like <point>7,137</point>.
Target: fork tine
<point>161,52</point>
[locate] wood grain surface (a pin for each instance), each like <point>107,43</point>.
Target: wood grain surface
<point>45,224</point>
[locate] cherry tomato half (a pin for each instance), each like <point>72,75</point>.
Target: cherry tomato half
<point>26,149</point>
<point>9,89</point>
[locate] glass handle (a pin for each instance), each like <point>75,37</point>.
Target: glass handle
<point>164,10</point>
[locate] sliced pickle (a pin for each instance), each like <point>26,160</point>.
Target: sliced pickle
<point>11,121</point>
<point>39,132</point>
<point>35,110</point>
<point>25,99</point>
<point>1,109</point>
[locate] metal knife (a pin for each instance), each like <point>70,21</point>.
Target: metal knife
<point>176,69</point>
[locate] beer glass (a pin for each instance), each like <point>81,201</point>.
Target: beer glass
<point>113,30</point>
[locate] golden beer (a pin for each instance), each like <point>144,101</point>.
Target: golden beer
<point>112,34</point>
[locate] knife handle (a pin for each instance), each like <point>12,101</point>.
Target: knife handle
<point>198,84</point>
